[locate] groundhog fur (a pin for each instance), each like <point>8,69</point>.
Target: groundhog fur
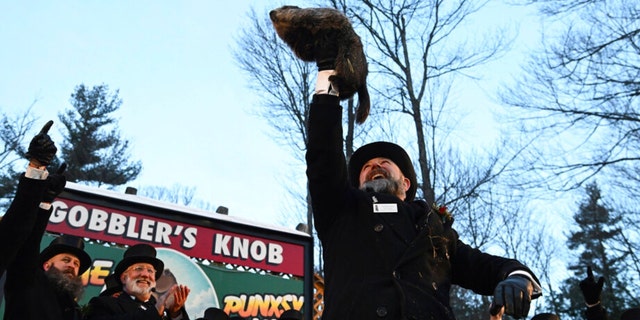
<point>304,28</point>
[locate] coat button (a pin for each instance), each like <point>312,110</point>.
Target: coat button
<point>381,312</point>
<point>378,227</point>
<point>434,285</point>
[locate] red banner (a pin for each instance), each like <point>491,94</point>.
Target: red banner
<point>101,223</point>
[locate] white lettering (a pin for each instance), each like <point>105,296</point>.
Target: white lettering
<point>189,240</point>
<point>59,212</point>
<point>221,245</point>
<point>78,216</point>
<point>275,254</point>
<point>163,231</point>
<point>117,224</point>
<point>98,221</point>
<point>146,231</point>
<point>131,228</point>
<point>240,248</point>
<point>258,250</point>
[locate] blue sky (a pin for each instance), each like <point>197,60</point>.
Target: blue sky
<point>186,108</point>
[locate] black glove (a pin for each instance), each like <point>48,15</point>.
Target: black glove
<point>591,290</point>
<point>56,183</point>
<point>514,294</point>
<point>42,147</point>
<point>326,49</point>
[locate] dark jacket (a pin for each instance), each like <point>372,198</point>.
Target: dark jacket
<point>28,292</point>
<point>384,265</point>
<point>17,223</point>
<point>124,307</point>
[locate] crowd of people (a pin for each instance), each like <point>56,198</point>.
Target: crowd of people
<point>47,284</point>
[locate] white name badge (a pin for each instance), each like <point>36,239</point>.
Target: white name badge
<point>385,208</point>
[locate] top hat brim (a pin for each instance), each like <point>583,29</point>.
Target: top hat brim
<point>55,249</point>
<point>129,261</point>
<point>387,150</point>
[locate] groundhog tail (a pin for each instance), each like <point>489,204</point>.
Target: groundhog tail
<point>364,104</point>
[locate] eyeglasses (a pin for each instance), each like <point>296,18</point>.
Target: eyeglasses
<point>139,269</point>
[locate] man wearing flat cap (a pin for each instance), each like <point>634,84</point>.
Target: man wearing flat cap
<point>40,285</point>
<point>386,254</point>
<point>137,273</point>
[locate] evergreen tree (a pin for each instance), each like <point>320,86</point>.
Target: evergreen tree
<point>93,149</point>
<point>598,226</point>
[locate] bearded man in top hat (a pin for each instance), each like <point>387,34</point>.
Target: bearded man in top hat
<point>137,273</point>
<point>386,254</point>
<point>47,284</point>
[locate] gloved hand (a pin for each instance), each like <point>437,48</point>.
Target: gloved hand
<point>514,294</point>
<point>42,149</point>
<point>325,50</point>
<point>56,183</point>
<point>591,290</point>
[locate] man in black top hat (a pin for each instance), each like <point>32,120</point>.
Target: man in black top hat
<point>137,273</point>
<point>386,254</point>
<point>43,285</point>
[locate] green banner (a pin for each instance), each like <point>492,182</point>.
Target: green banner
<point>245,293</point>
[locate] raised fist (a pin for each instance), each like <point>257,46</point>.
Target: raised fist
<point>42,149</point>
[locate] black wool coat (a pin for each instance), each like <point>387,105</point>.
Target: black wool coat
<point>28,292</point>
<point>124,307</point>
<point>377,265</point>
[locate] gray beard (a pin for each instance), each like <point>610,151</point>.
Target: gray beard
<point>64,283</point>
<point>381,186</point>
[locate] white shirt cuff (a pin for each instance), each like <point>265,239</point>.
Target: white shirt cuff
<point>35,173</point>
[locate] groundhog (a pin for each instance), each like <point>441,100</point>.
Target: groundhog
<point>303,29</point>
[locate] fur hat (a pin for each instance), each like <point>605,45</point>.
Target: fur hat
<point>291,314</point>
<point>545,316</point>
<point>67,244</point>
<point>631,314</point>
<point>387,150</point>
<point>139,253</point>
<point>214,314</point>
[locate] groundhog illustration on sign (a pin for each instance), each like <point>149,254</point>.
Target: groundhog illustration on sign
<point>304,29</point>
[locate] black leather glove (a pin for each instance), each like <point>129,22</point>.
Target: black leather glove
<point>56,183</point>
<point>326,49</point>
<point>514,294</point>
<point>591,290</point>
<point>42,148</point>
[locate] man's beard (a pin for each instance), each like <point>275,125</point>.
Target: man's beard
<point>380,185</point>
<point>66,283</point>
<point>131,284</point>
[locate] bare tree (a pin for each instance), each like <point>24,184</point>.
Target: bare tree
<point>419,48</point>
<point>577,104</point>
<point>285,85</point>
<point>579,96</point>
<point>13,131</point>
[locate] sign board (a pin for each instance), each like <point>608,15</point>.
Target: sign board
<point>249,270</point>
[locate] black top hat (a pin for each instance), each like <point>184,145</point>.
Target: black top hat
<point>631,314</point>
<point>291,314</point>
<point>67,244</point>
<point>113,285</point>
<point>214,314</point>
<point>545,316</point>
<point>139,253</point>
<point>387,150</point>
